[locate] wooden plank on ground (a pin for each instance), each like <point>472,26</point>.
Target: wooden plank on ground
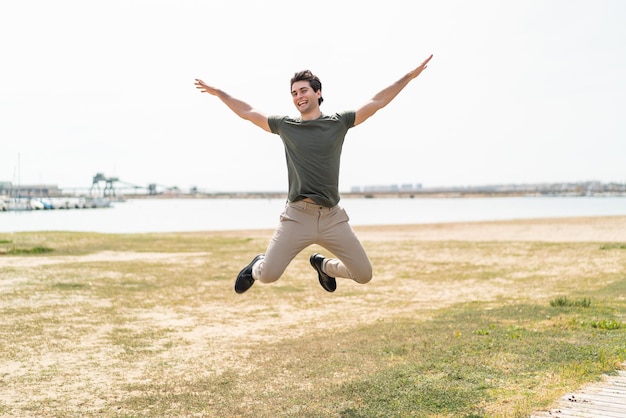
<point>606,399</point>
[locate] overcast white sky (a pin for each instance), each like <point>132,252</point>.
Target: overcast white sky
<point>517,91</point>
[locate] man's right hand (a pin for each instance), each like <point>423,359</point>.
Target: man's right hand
<point>205,88</point>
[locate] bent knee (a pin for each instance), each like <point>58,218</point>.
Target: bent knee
<point>267,279</point>
<point>266,275</point>
<point>364,276</point>
<point>363,279</point>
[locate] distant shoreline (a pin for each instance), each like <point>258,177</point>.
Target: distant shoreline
<point>126,190</point>
<point>377,195</point>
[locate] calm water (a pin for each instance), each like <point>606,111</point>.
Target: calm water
<point>165,215</point>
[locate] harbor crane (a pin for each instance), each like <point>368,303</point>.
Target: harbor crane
<point>109,187</point>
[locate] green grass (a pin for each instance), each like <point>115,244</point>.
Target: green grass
<point>7,247</point>
<point>565,301</point>
<point>445,329</point>
<point>613,246</point>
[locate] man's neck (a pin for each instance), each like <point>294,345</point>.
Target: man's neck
<point>311,115</point>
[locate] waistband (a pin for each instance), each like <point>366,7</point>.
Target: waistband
<point>310,206</point>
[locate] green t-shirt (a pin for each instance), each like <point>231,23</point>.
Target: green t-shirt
<point>313,152</point>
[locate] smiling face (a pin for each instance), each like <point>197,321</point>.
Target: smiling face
<point>306,99</point>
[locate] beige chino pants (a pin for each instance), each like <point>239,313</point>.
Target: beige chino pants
<point>303,224</point>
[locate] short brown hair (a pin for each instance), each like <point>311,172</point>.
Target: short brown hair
<point>314,81</point>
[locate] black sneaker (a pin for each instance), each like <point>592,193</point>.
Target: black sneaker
<point>328,283</point>
<point>244,278</point>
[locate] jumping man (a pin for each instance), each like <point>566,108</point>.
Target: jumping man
<point>312,214</point>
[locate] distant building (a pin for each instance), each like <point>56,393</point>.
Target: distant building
<point>25,190</point>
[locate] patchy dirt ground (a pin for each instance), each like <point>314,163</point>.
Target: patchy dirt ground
<point>601,229</point>
<point>216,336</point>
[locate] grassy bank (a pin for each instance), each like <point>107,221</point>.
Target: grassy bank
<point>149,326</point>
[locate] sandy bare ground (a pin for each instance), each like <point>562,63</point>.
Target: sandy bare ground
<point>230,327</point>
<point>592,229</point>
<point>582,229</point>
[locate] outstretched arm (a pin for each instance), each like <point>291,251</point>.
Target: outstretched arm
<point>242,109</point>
<point>385,96</point>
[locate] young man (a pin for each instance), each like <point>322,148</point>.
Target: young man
<point>313,144</point>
